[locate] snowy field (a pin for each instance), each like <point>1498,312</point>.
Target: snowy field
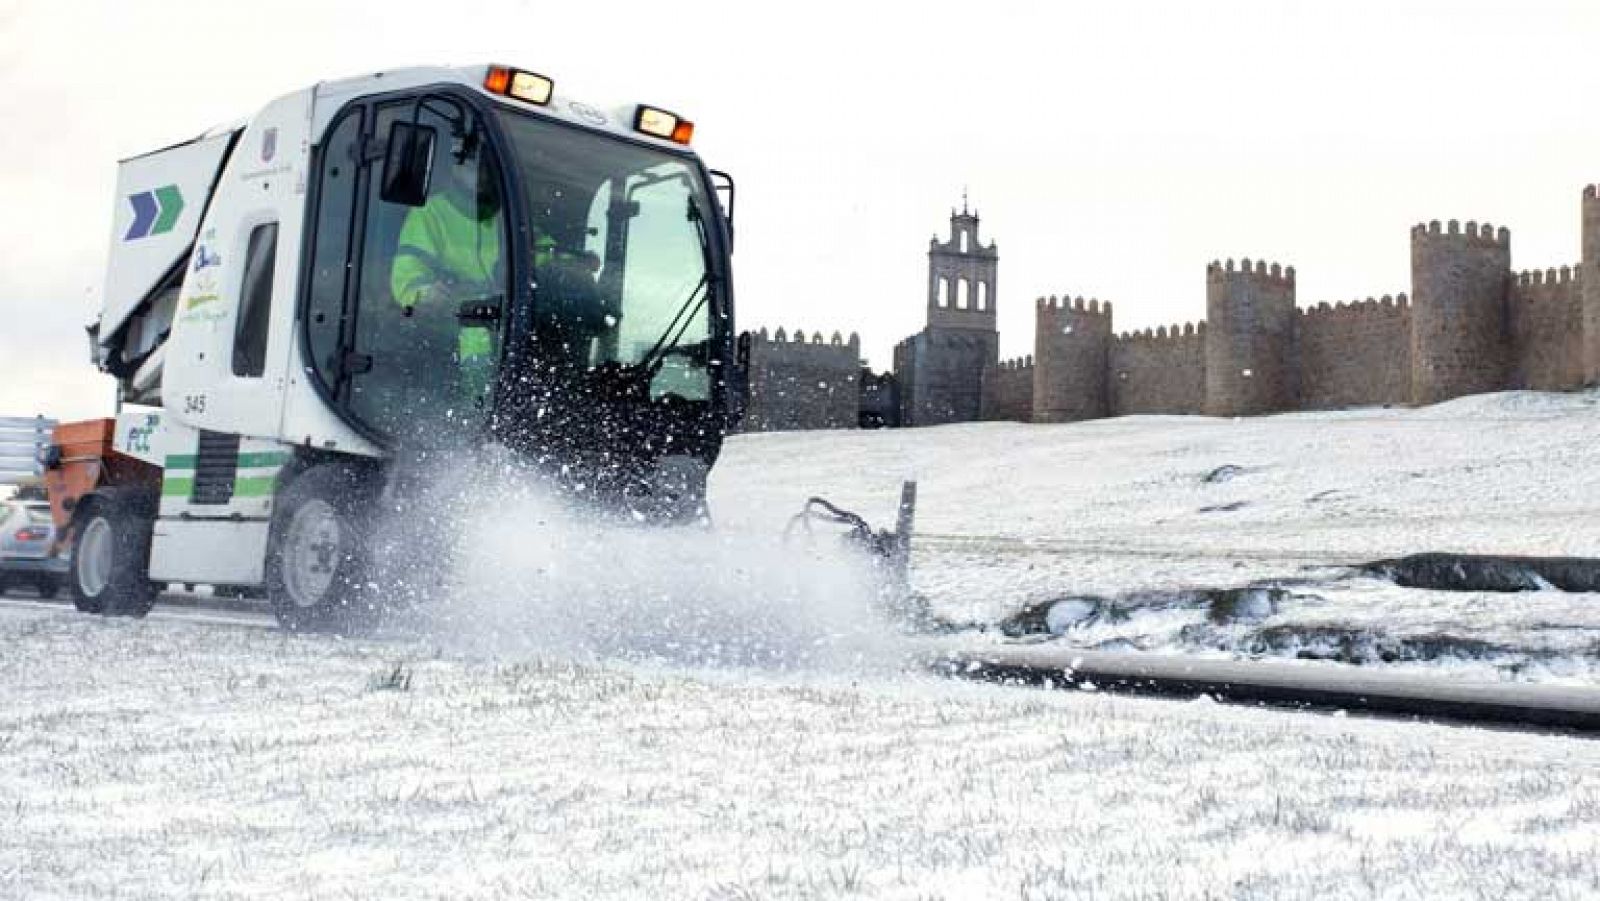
<point>1121,509</point>
<point>165,759</point>
<point>594,714</point>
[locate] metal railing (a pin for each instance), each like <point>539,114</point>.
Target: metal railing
<point>22,438</point>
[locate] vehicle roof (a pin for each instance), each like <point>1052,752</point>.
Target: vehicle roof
<point>617,120</point>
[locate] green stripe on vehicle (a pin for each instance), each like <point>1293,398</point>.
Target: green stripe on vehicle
<point>259,460</point>
<point>263,459</point>
<point>183,486</point>
<point>255,486</point>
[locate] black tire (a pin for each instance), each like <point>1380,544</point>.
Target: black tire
<point>110,572</point>
<point>319,552</point>
<point>49,587</point>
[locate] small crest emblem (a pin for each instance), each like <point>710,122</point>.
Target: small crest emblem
<point>587,113</point>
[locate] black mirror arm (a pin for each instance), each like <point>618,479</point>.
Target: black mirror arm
<point>480,311</point>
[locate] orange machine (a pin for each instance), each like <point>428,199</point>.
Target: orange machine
<point>83,458</point>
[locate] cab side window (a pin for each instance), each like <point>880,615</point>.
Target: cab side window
<point>255,302</point>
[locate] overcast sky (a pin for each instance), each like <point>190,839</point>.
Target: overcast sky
<point>1112,148</point>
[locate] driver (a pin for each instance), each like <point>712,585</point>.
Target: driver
<point>449,253</point>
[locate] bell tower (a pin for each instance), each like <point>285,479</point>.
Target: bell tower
<point>961,276</point>
<point>940,369</point>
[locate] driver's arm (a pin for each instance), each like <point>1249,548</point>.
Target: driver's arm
<point>416,261</point>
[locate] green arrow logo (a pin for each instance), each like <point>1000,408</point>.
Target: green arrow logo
<point>171,203</point>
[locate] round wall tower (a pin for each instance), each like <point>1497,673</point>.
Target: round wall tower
<point>1071,350</point>
<point>1458,310</point>
<point>1589,284</point>
<point>1249,339</point>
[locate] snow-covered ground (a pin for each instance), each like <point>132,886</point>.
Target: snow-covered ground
<point>1012,515</point>
<point>166,759</point>
<point>598,714</point>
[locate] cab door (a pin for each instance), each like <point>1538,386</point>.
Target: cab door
<point>404,300</point>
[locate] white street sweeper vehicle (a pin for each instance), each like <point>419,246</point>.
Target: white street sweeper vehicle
<point>376,277</point>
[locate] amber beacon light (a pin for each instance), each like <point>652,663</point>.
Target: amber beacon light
<point>661,124</point>
<point>519,85</point>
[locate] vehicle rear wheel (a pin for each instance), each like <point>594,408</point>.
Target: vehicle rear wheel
<point>110,571</point>
<point>319,553</point>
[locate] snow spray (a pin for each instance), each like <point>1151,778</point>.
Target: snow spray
<point>529,574</point>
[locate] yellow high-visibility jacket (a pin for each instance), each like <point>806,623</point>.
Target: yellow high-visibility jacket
<point>442,244</point>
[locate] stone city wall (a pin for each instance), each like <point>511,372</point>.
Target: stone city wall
<point>1544,315</point>
<point>1355,354</point>
<point>800,383</point>
<point>1159,370</point>
<point>1008,390</point>
<point>1468,325</point>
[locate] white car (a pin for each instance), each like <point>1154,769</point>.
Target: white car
<point>27,536</point>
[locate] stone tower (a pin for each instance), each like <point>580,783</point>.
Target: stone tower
<point>940,369</point>
<point>1249,339</point>
<point>1458,310</point>
<point>961,277</point>
<point>1589,284</point>
<point>1071,349</point>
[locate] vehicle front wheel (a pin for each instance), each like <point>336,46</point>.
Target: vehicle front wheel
<point>110,572</point>
<point>319,552</point>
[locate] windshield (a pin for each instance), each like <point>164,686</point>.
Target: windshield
<point>619,254</point>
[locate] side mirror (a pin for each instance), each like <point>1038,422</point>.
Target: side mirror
<point>408,163</point>
<point>722,182</point>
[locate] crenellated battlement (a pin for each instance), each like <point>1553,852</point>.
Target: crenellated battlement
<point>1260,270</point>
<point>1092,307</point>
<point>1188,331</point>
<point>1388,303</point>
<point>1566,275</point>
<point>1474,232</point>
<point>1016,364</point>
<point>798,338</point>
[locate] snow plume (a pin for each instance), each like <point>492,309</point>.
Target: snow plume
<point>533,575</point>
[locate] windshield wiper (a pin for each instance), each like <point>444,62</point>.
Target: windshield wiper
<point>650,364</point>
